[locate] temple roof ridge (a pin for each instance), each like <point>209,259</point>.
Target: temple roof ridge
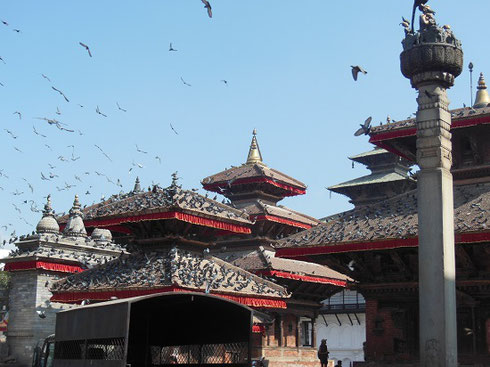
<point>394,219</point>
<point>170,267</point>
<point>373,178</point>
<point>162,200</point>
<point>373,152</point>
<point>457,115</point>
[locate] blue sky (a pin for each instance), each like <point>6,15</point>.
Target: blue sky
<point>287,65</point>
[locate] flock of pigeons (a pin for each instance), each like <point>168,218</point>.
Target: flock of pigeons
<point>23,201</point>
<point>52,175</point>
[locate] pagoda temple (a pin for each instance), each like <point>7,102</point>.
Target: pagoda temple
<point>256,189</point>
<point>376,244</point>
<point>171,239</point>
<point>170,232</point>
<point>389,177</point>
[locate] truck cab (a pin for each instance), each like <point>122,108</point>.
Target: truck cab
<point>44,353</point>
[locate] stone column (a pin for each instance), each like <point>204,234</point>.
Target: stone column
<point>431,59</point>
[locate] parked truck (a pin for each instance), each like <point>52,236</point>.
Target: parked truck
<point>180,328</point>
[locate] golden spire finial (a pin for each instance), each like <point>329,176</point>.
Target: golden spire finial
<point>482,97</point>
<point>254,155</point>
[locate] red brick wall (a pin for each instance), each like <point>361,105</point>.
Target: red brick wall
<point>287,354</point>
<point>290,326</point>
<point>381,332</point>
<point>289,335</point>
<point>294,357</point>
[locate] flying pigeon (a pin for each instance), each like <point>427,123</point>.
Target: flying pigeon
<point>356,70</point>
<point>365,128</point>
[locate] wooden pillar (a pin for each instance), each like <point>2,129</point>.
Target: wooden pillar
<point>473,328</point>
<point>313,332</point>
<point>280,342</point>
<point>298,334</point>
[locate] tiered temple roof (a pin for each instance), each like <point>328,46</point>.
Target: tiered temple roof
<point>171,269</point>
<point>390,224</point>
<point>296,275</point>
<point>260,210</point>
<point>128,213</point>
<point>254,177</point>
<point>399,137</point>
<point>255,189</point>
<point>389,177</point>
<point>377,243</point>
<point>183,224</point>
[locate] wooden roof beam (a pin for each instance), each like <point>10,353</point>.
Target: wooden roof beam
<point>398,261</point>
<point>465,259</point>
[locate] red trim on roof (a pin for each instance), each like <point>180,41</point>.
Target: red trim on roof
<point>31,265</point>
<point>347,247</point>
<point>472,237</point>
<point>378,245</point>
<point>291,190</point>
<point>189,218</point>
<point>273,218</point>
<point>259,329</point>
<point>471,121</point>
<point>120,229</point>
<point>78,297</point>
<point>399,133</point>
<point>304,278</point>
<point>412,131</point>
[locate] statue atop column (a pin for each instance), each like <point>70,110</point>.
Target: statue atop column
<point>430,49</point>
<point>427,17</point>
<point>416,4</point>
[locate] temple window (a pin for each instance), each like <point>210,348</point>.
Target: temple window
<point>305,334</point>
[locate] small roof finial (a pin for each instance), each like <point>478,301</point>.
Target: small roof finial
<point>482,97</point>
<point>48,210</point>
<point>48,223</point>
<point>175,181</point>
<point>75,226</point>
<point>254,155</point>
<point>137,186</point>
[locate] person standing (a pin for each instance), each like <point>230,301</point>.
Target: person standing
<point>323,353</point>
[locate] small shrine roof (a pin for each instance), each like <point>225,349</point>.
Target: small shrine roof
<point>256,172</point>
<point>59,248</point>
<point>373,152</point>
<point>372,179</point>
<point>253,173</point>
<point>391,223</point>
<point>164,268</point>
<point>262,260</point>
<point>259,209</point>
